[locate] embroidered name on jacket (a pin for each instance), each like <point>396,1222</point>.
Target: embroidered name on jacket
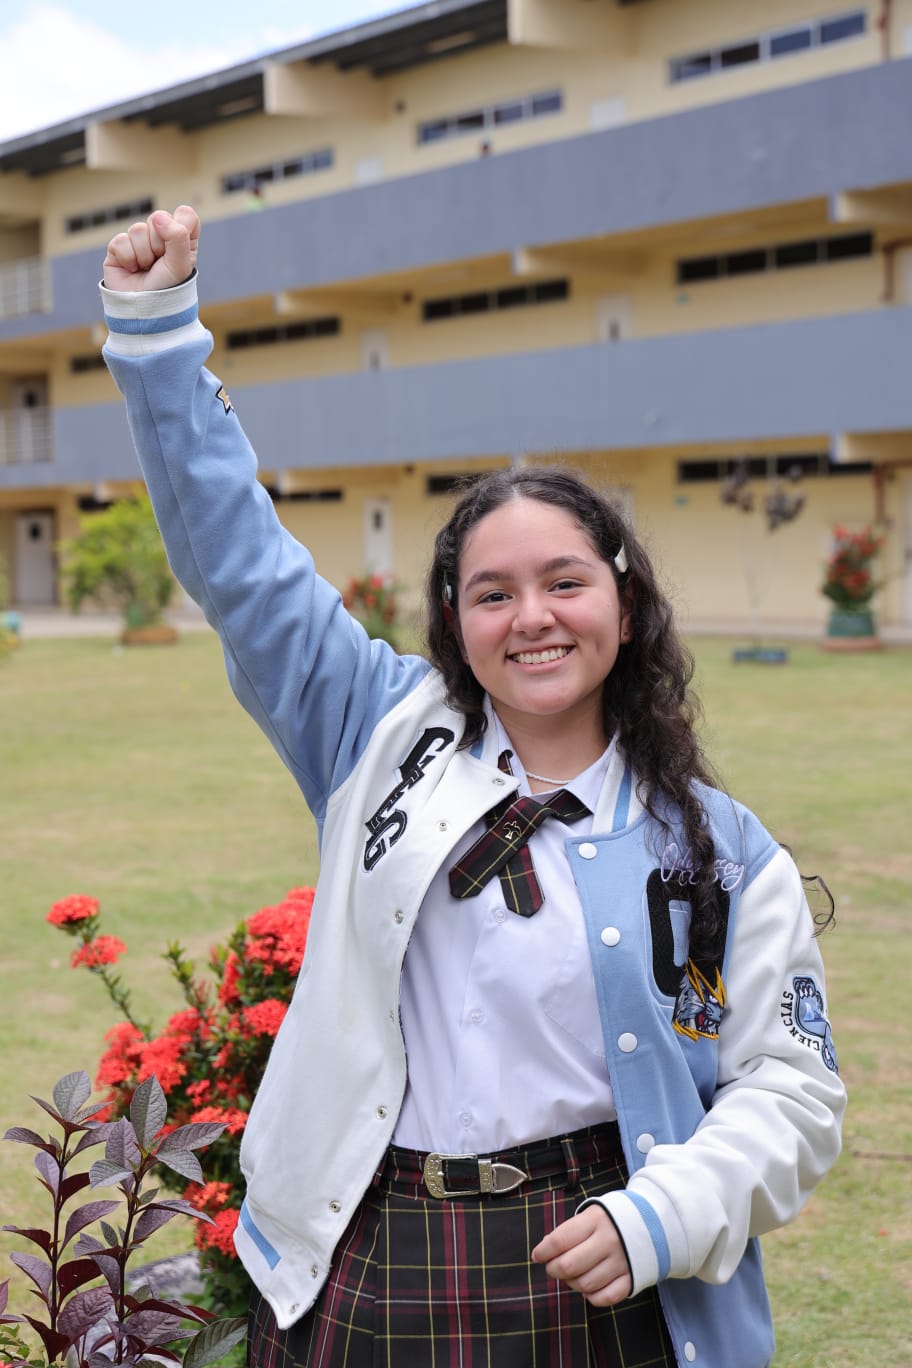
<point>695,983</point>
<point>388,823</point>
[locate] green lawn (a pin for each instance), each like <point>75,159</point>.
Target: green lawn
<point>134,777</point>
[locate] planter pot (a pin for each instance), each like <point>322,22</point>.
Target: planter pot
<point>851,631</point>
<point>155,634</point>
<point>851,623</point>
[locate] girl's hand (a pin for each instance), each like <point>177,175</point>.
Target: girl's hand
<point>587,1254</point>
<point>156,254</point>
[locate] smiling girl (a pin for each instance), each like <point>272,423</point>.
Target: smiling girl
<point>558,1052</point>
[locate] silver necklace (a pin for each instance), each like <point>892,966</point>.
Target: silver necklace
<point>543,779</point>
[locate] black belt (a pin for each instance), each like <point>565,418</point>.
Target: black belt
<point>492,1175</point>
<point>469,1175</point>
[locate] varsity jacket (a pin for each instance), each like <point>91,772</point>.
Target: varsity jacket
<point>724,1074</point>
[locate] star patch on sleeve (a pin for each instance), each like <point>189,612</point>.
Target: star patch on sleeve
<point>225,397</point>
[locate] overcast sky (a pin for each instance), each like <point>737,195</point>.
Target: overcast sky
<point>60,58</point>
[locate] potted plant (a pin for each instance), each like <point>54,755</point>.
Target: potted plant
<point>118,558</point>
<point>849,584</point>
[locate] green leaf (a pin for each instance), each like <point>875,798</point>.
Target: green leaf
<point>71,1092</point>
<point>148,1111</point>
<point>214,1341</point>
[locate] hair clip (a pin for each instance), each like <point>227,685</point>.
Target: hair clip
<point>620,561</point>
<point>447,590</point>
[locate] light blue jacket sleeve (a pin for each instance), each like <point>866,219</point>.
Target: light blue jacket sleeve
<point>297,661</point>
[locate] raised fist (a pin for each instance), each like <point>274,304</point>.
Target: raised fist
<point>156,254</point>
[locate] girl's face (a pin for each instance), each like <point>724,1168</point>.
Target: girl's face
<point>540,618</point>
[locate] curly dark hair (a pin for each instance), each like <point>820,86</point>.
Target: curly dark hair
<point>647,700</point>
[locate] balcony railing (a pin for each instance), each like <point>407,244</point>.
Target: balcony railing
<point>25,436</point>
<point>25,287</point>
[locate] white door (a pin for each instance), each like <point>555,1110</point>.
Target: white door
<point>34,559</point>
<point>613,318</point>
<point>378,537</point>
<point>30,420</point>
<point>374,349</point>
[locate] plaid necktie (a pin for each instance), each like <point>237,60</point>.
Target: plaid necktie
<point>504,849</point>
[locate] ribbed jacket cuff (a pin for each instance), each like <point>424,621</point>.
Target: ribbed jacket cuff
<point>654,1249</point>
<point>141,322</point>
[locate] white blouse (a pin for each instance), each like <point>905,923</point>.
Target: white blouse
<point>499,1011</point>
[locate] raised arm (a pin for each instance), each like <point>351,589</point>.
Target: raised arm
<point>296,659</point>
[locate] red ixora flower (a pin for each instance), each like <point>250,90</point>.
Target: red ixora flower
<point>72,910</point>
<point>211,1197</point>
<point>220,1234</point>
<point>265,1018</point>
<point>102,950</point>
<point>232,1118</point>
<point>122,1057</point>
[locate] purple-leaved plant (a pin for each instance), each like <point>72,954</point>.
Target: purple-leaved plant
<point>90,1318</point>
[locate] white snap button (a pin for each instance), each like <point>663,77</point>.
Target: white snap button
<point>627,1042</point>
<point>645,1142</point>
<point>381,1112</point>
<point>588,851</point>
<point>443,826</point>
<point>397,918</point>
<point>335,1206</point>
<point>465,1118</point>
<point>476,1015</point>
<point>293,1308</point>
<point>499,781</point>
<point>500,914</point>
<point>690,1351</point>
<point>610,936</point>
<point>314,1271</point>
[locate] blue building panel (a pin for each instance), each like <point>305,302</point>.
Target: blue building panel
<point>808,377</point>
<point>775,147</point>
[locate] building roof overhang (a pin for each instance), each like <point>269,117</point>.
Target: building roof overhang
<point>411,37</point>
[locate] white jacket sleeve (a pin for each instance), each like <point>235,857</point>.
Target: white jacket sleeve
<point>773,1129</point>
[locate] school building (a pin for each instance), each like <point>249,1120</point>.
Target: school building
<point>653,238</point>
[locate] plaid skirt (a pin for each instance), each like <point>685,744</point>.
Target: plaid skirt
<point>419,1282</point>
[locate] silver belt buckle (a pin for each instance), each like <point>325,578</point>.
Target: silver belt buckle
<point>493,1178</point>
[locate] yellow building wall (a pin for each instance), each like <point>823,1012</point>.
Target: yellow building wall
<point>633,73</point>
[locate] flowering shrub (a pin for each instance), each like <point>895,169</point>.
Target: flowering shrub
<point>372,600</point>
<point>848,579</point>
<point>209,1057</point>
